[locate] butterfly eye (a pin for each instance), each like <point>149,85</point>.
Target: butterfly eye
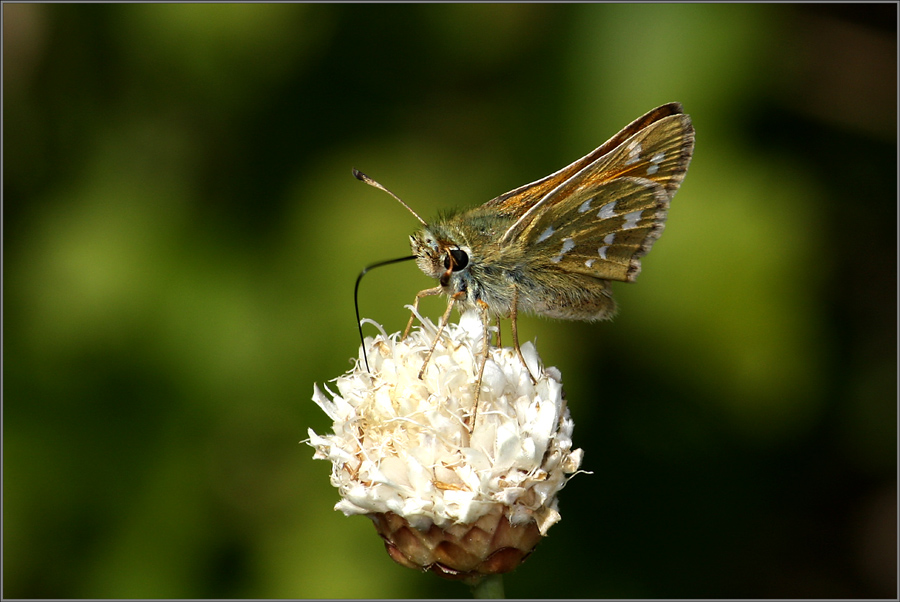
<point>459,260</point>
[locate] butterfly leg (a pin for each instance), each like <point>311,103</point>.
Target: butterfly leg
<point>485,350</point>
<point>515,333</point>
<point>444,319</point>
<point>426,293</point>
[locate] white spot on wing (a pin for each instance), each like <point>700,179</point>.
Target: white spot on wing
<point>655,160</point>
<point>631,219</point>
<point>546,234</point>
<point>585,206</point>
<point>602,251</point>
<point>634,153</point>
<point>609,238</point>
<point>568,245</point>
<point>607,211</point>
<point>590,263</point>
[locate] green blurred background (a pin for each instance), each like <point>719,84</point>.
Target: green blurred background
<point>182,234</point>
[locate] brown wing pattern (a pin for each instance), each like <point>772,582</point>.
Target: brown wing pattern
<point>518,201</point>
<point>606,216</point>
<point>607,233</point>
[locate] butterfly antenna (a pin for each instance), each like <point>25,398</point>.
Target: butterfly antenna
<point>364,178</point>
<point>356,296</point>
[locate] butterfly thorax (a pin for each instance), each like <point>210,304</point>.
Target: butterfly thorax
<point>462,252</point>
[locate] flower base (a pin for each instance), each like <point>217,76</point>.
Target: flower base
<point>489,546</point>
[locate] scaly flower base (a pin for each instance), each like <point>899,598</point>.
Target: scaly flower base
<point>489,546</point>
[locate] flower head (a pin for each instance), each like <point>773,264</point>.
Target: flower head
<point>457,501</point>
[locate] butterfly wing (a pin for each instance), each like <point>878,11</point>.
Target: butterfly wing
<point>517,202</point>
<point>607,215</point>
<point>606,233</point>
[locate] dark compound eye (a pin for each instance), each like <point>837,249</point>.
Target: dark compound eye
<point>460,260</point>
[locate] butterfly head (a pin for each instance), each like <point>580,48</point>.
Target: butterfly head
<point>439,258</point>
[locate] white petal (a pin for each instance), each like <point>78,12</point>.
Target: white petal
<point>402,444</point>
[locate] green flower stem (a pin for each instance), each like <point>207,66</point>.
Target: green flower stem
<point>490,586</point>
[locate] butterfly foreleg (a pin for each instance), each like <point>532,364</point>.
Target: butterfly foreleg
<point>444,319</point>
<point>426,293</point>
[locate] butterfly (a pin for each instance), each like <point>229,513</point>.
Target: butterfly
<point>552,247</point>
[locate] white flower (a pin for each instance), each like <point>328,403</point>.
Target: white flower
<point>402,446</point>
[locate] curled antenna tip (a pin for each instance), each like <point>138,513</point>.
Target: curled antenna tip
<point>364,178</point>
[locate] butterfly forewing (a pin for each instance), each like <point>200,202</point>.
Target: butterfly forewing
<point>660,152</point>
<point>518,201</point>
<point>607,215</point>
<point>606,232</point>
